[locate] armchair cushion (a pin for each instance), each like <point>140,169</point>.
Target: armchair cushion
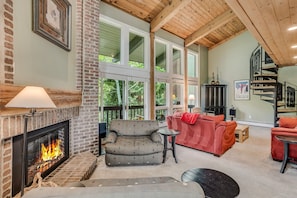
<point>138,145</point>
<point>288,122</point>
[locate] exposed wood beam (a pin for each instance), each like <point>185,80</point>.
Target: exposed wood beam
<point>152,76</point>
<point>211,26</point>
<point>243,16</point>
<point>167,13</point>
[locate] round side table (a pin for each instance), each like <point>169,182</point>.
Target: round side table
<point>287,140</point>
<point>214,183</point>
<point>169,133</point>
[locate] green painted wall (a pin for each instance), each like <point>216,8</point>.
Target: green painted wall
<point>231,61</point>
<point>38,61</point>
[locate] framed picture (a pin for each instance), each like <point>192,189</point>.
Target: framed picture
<point>242,89</point>
<point>52,20</point>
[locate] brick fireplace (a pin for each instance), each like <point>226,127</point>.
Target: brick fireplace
<point>79,106</point>
<point>47,148</point>
<point>13,127</point>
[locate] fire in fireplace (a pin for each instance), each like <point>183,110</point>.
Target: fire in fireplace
<point>47,148</point>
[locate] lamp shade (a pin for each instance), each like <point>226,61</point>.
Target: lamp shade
<point>31,97</point>
<point>191,97</point>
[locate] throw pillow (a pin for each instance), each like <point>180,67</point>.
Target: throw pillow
<point>189,118</point>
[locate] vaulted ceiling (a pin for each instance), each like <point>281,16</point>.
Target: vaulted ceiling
<point>213,22</point>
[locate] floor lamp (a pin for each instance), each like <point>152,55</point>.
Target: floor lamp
<point>31,98</point>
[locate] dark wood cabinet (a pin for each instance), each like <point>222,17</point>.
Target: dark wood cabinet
<point>214,99</point>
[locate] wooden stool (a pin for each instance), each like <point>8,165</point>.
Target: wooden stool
<point>241,133</point>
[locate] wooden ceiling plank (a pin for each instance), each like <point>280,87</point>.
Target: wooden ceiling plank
<point>211,26</point>
<point>269,13</point>
<point>227,39</point>
<point>167,13</point>
<point>293,11</point>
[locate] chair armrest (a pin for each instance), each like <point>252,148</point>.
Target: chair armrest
<point>156,137</point>
<point>111,137</point>
<point>279,130</point>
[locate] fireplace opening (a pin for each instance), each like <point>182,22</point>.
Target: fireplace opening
<point>47,148</point>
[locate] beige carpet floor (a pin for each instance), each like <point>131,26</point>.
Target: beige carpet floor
<point>249,163</point>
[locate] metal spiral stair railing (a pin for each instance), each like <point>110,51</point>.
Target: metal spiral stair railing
<point>264,82</point>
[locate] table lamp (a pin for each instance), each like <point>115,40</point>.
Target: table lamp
<point>191,102</point>
<point>30,97</point>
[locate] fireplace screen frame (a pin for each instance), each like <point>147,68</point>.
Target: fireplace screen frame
<point>31,136</point>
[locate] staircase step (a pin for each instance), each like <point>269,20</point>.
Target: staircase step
<point>263,82</point>
<point>261,87</point>
<point>263,93</point>
<point>287,110</point>
<point>270,68</point>
<point>265,75</point>
<point>279,104</point>
<point>267,99</point>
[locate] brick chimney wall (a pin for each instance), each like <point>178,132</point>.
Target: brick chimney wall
<point>83,119</point>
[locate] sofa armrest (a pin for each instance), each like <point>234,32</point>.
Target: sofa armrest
<point>280,130</point>
<point>224,136</point>
<point>111,137</point>
<point>156,137</point>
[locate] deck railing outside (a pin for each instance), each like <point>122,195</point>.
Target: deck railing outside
<point>135,112</point>
<point>116,112</point>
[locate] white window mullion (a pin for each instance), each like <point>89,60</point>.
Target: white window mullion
<point>125,46</point>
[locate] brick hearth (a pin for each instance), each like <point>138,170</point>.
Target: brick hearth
<point>77,168</point>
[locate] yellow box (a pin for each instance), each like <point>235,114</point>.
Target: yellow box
<point>241,133</point>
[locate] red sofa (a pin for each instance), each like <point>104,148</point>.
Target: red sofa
<point>206,133</point>
<point>287,127</point>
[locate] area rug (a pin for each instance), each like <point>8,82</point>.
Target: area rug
<point>248,163</point>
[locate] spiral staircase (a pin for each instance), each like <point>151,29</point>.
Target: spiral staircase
<point>264,83</point>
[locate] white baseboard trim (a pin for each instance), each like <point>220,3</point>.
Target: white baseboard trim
<point>255,124</point>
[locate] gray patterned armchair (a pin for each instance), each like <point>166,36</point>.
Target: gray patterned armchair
<point>133,142</point>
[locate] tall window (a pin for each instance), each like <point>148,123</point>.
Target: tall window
<point>160,57</point>
<point>136,50</point>
<point>193,79</point>
<point>121,99</point>
<point>161,100</point>
<point>110,43</point>
<point>177,94</point>
<point>176,62</point>
<point>192,65</point>
<point>124,76</point>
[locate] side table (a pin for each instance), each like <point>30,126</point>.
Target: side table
<point>286,140</point>
<point>241,133</point>
<point>171,133</point>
